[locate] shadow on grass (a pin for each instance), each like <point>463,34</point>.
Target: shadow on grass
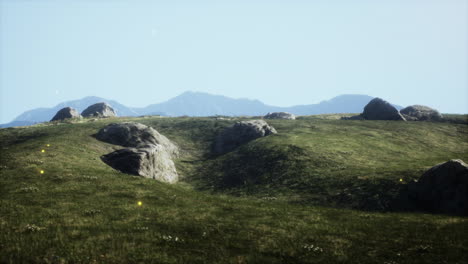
<point>18,138</point>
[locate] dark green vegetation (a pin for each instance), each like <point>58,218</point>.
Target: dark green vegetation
<point>319,191</point>
<point>457,119</point>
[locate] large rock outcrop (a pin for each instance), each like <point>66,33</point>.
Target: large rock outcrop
<point>152,161</point>
<point>280,115</point>
<point>421,113</point>
<point>66,113</point>
<point>442,189</point>
<point>378,109</point>
<point>149,154</point>
<point>99,110</point>
<point>130,134</point>
<point>241,133</point>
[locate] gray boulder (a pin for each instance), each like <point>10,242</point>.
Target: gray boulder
<point>280,115</point>
<point>130,134</point>
<point>149,154</point>
<point>421,113</point>
<point>442,189</point>
<point>66,113</point>
<point>151,161</point>
<point>99,110</point>
<point>241,133</point>
<point>378,109</point>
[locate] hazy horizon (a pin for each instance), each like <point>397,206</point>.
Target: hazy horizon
<point>281,53</point>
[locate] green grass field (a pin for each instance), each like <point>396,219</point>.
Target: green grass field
<point>322,190</point>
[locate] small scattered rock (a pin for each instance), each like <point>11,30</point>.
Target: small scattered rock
<point>31,228</point>
<point>241,133</point>
<point>99,110</point>
<point>280,115</point>
<point>66,113</point>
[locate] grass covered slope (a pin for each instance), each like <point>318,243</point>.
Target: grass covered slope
<point>358,164</point>
<point>82,211</point>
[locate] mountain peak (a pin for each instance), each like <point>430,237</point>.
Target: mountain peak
<point>92,98</point>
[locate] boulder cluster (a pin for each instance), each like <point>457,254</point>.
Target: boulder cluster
<point>147,153</point>
<point>379,109</point>
<point>95,110</point>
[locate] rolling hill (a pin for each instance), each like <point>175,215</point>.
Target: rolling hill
<point>319,191</point>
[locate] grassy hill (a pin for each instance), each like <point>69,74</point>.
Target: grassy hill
<point>320,191</point>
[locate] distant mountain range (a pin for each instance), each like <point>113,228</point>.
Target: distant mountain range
<point>39,115</point>
<point>200,104</point>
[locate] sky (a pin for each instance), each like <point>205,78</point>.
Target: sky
<point>281,52</point>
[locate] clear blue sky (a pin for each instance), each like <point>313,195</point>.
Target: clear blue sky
<point>280,52</point>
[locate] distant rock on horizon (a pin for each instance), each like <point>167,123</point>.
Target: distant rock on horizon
<point>379,109</point>
<point>101,109</point>
<point>66,113</point>
<point>280,115</point>
<point>421,113</point>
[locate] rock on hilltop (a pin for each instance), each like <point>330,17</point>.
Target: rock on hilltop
<point>280,115</point>
<point>66,113</point>
<point>421,113</point>
<point>379,109</point>
<point>99,110</point>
